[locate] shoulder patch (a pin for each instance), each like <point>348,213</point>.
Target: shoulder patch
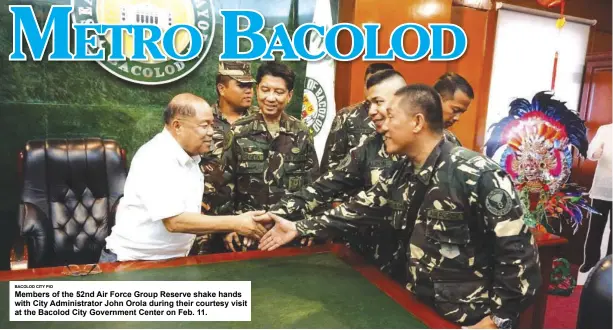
<point>498,202</point>
<point>345,161</point>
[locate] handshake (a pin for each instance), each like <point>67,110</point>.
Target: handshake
<point>272,231</point>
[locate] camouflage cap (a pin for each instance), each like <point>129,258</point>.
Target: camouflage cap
<point>241,71</point>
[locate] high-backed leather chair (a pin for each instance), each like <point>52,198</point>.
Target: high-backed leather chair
<point>71,188</point>
<point>595,302</point>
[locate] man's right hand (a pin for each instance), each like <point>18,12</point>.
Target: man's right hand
<point>282,233</point>
<point>248,226</point>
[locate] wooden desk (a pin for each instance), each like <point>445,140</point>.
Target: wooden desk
<point>549,244</point>
<point>324,286</point>
<point>532,318</point>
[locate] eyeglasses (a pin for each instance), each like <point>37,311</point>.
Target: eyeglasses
<point>81,270</point>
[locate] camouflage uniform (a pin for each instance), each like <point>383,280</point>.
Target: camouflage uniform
<point>260,169</point>
<point>452,138</point>
<point>215,197</point>
<point>359,170</point>
<point>471,254</point>
<point>351,126</point>
<point>221,126</point>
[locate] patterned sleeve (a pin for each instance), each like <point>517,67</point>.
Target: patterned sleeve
<point>346,177</point>
<point>516,265</point>
<point>365,209</point>
<point>229,163</point>
<point>313,168</point>
<point>214,197</point>
<point>337,143</point>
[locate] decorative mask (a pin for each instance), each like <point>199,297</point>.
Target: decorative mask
<point>536,139</point>
<point>533,144</point>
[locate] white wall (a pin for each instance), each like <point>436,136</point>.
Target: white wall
<point>523,61</point>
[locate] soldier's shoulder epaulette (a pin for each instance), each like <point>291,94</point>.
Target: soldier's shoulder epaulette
<point>351,108</point>
<point>244,125</point>
<point>296,125</point>
<point>243,121</point>
<point>449,136</point>
<point>461,156</point>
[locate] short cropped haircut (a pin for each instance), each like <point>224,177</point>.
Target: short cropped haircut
<point>277,69</point>
<point>182,105</point>
<point>382,76</point>
<point>426,100</point>
<point>221,79</point>
<point>376,67</point>
<point>450,82</point>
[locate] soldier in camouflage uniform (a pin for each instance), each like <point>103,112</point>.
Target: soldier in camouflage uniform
<point>457,94</point>
<point>472,257</point>
<point>235,94</point>
<point>360,170</point>
<point>269,154</point>
<point>234,87</point>
<point>351,126</point>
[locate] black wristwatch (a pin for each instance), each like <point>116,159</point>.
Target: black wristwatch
<point>502,323</point>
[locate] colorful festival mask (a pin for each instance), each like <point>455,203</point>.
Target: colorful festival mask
<point>533,144</point>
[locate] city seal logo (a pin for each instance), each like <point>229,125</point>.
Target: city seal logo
<point>162,13</point>
<point>314,105</point>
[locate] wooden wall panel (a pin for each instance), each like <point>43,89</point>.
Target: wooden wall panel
<point>476,63</point>
<point>595,109</point>
<point>474,23</point>
<point>469,19</point>
<point>486,78</point>
<point>346,14</point>
<point>600,41</point>
<point>390,14</point>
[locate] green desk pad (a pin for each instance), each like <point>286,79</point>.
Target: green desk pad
<point>312,291</point>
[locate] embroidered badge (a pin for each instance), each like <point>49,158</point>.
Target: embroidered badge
<point>295,183</point>
<point>498,202</point>
<point>345,161</point>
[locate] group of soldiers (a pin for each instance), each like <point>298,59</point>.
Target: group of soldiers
<point>258,157</point>
<point>264,159</point>
<point>259,153</point>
